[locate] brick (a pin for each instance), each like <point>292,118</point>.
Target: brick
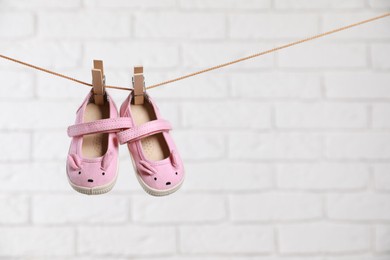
<point>382,176</point>
<point>51,55</point>
<point>131,4</point>
<point>274,146</point>
<point>200,145</point>
<point>170,111</point>
<point>219,257</point>
<point>226,239</point>
<point>310,238</point>
<point>276,85</point>
<point>321,115</point>
<point>219,115</point>
<point>36,241</point>
<point>358,256</point>
<point>358,146</point>
<point>14,146</point>
<point>61,209</point>
<point>357,85</point>
<point>228,176</point>
<point>16,25</point>
<point>26,177</point>
<point>150,55</point>
<point>14,209</point>
<point>124,155</point>
<point>180,25</point>
<point>201,55</point>
<point>379,3</point>
<point>49,87</point>
<point>204,208</point>
<point>380,55</point>
<point>28,115</point>
<point>275,206</point>
<point>18,85</point>
<point>379,30</point>
<point>324,55</point>
<point>322,176</point>
<point>225,4</point>
<point>41,4</point>
<point>56,25</point>
<point>94,241</point>
<point>271,26</point>
<point>209,87</point>
<point>92,258</point>
<point>127,180</point>
<point>381,115</point>
<point>43,148</point>
<point>362,206</point>
<point>382,238</point>
<point>319,4</point>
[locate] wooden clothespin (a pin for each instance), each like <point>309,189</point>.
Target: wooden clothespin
<point>98,82</point>
<point>139,85</point>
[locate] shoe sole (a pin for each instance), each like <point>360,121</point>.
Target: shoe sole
<point>151,191</point>
<point>95,190</point>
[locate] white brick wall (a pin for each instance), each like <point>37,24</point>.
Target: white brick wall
<point>320,237</point>
<point>287,156</point>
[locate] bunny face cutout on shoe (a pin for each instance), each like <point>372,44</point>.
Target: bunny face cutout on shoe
<point>162,175</point>
<point>91,173</point>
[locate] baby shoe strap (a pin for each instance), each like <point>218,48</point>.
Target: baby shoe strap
<point>99,126</point>
<point>147,129</point>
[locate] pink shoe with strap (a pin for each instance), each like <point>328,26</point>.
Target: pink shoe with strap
<point>92,165</point>
<point>159,168</point>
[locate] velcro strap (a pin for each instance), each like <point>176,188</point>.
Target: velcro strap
<point>99,126</point>
<point>147,129</point>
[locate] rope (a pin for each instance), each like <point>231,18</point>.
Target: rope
<point>55,73</point>
<point>211,68</point>
<point>269,51</point>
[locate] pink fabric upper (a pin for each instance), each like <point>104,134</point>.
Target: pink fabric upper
<point>100,171</point>
<point>159,175</point>
<point>147,129</point>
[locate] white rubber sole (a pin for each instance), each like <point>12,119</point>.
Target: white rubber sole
<point>95,190</point>
<point>151,191</point>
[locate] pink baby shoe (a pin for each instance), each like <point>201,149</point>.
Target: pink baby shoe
<point>158,166</point>
<point>92,164</point>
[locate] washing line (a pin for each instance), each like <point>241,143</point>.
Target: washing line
<point>210,68</point>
